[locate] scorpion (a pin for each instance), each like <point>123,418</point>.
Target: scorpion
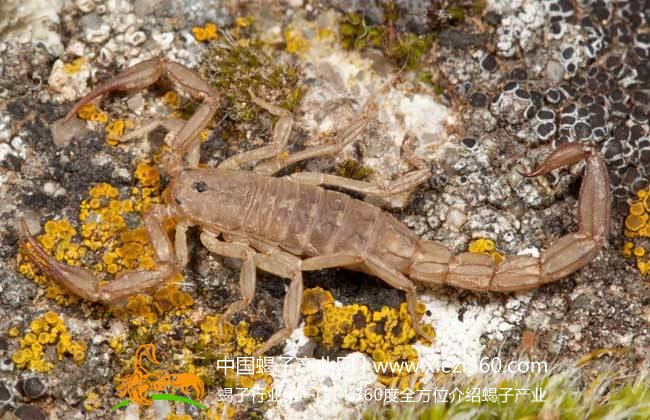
<point>292,224</point>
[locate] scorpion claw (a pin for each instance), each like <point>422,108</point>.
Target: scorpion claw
<point>141,75</point>
<point>77,280</point>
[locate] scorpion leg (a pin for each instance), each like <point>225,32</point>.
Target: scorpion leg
<point>279,139</point>
<point>138,76</point>
<point>84,284</point>
<point>348,136</point>
<point>394,278</point>
<point>406,182</point>
<point>247,276</point>
<point>274,261</point>
<point>173,125</point>
<point>170,124</point>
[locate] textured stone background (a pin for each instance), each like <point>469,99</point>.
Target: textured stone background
<point>523,77</point>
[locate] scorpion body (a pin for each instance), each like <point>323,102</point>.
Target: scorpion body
<point>289,225</point>
<point>304,220</point>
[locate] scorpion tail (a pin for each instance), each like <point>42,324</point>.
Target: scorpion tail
<point>433,263</point>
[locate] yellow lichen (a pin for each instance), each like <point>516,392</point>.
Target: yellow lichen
<point>148,175</point>
<point>48,330</point>
<point>232,341</point>
<point>296,43</point>
<point>243,22</point>
<point>637,230</point>
<point>171,99</point>
<point>385,335</point>
<point>206,33</point>
<point>92,401</point>
<point>115,130</point>
<point>485,246</point>
<point>114,246</point>
<point>85,112</point>
<point>74,66</point>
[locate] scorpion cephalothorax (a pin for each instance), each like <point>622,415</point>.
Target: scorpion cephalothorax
<point>289,225</point>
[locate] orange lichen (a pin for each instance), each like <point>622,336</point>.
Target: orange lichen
<point>206,33</point>
<point>485,246</point>
<point>74,66</point>
<point>171,99</point>
<point>148,175</point>
<point>48,330</point>
<point>637,230</point>
<point>115,130</point>
<point>89,112</point>
<point>386,335</point>
<point>113,244</point>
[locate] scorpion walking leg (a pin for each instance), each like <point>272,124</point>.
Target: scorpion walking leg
<point>276,262</point>
<point>279,139</point>
<point>404,183</point>
<point>399,281</point>
<point>84,284</point>
<point>348,136</point>
<point>173,125</point>
<point>170,124</point>
<point>376,267</point>
<point>247,276</point>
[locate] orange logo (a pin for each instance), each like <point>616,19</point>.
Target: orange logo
<point>138,384</point>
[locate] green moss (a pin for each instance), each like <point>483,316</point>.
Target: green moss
<point>457,14</point>
<point>425,77</point>
<point>403,49</point>
<point>564,397</point>
<point>408,49</point>
<point>478,7</point>
<point>234,69</point>
<point>351,168</point>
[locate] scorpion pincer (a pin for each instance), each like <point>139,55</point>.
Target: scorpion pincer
<point>289,225</point>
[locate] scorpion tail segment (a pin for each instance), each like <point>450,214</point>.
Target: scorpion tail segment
<point>566,154</point>
<point>430,263</point>
<point>77,280</point>
<point>139,76</point>
<point>566,255</point>
<point>595,202</point>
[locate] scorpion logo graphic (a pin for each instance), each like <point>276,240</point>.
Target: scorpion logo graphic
<point>141,381</point>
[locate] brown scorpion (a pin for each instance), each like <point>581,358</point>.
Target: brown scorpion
<point>289,225</point>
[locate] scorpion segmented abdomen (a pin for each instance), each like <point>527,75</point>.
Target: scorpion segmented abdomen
<point>327,222</point>
<point>298,223</point>
<point>391,241</point>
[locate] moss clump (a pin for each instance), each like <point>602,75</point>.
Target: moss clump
<point>558,396</point>
<point>237,67</point>
<point>445,13</point>
<point>351,168</point>
<point>405,50</point>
